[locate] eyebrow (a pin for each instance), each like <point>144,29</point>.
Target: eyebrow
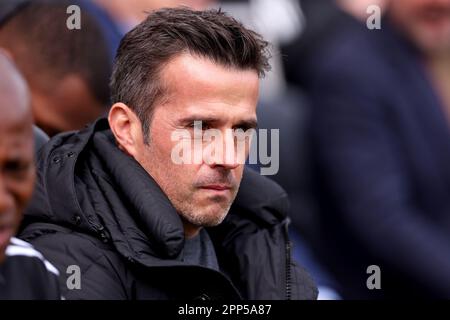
<point>251,123</point>
<point>248,124</point>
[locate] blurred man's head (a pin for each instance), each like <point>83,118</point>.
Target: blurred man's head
<point>16,150</point>
<point>129,13</point>
<point>177,67</point>
<point>67,70</point>
<point>426,22</point>
<point>358,8</point>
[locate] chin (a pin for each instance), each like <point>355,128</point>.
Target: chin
<point>210,217</point>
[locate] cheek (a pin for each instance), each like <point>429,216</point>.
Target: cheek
<point>22,191</point>
<point>238,173</point>
<point>157,160</point>
<point>160,140</point>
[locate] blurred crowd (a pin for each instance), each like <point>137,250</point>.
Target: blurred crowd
<point>363,114</point>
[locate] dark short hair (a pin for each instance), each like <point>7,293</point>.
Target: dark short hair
<point>45,50</point>
<point>166,33</point>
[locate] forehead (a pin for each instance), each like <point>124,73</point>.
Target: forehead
<point>202,84</point>
<point>15,103</point>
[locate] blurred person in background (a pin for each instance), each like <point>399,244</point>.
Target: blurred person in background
<point>380,143</point>
<point>358,8</point>
<point>24,273</point>
<point>322,21</point>
<point>110,30</point>
<point>129,13</point>
<point>117,17</point>
<point>67,70</point>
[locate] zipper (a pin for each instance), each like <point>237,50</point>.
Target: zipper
<point>288,270</point>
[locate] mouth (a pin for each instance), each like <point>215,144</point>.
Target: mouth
<point>217,189</point>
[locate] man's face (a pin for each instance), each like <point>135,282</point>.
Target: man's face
<point>222,98</point>
<point>16,164</point>
<point>426,22</point>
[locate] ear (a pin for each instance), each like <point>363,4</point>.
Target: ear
<point>127,129</point>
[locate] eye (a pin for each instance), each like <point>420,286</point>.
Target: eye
<point>203,125</point>
<point>16,168</point>
<point>243,128</point>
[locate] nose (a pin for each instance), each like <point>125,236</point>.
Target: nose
<point>6,199</point>
<point>225,152</point>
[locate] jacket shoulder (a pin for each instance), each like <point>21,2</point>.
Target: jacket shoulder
<point>29,275</point>
<point>88,268</point>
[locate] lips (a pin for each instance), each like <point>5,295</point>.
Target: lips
<point>217,190</point>
<point>217,187</point>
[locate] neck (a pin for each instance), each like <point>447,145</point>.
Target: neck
<point>190,230</point>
